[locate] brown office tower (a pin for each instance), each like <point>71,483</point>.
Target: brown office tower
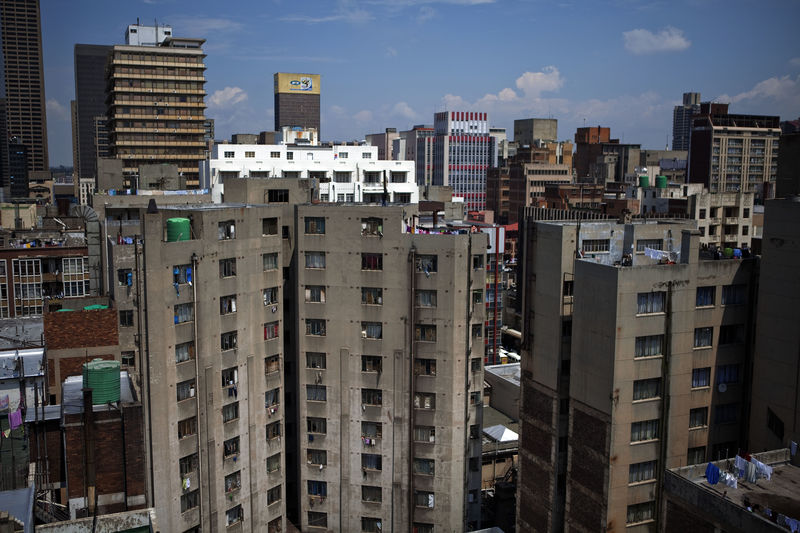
<point>90,103</point>
<point>22,84</point>
<point>297,100</point>
<point>155,104</point>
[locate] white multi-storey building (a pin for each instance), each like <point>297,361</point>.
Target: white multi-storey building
<point>344,173</point>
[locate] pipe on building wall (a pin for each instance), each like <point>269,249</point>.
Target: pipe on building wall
<point>664,416</point>
<point>412,262</point>
<point>199,394</point>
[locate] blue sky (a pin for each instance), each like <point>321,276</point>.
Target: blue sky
<point>393,63</point>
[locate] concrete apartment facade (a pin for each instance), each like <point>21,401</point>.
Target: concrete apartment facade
<point>156,103</point>
<point>213,361</point>
<point>611,396</point>
<point>390,372</point>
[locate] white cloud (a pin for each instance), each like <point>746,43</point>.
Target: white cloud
<point>346,11</point>
<point>782,90</point>
<point>535,83</point>
<point>227,97</point>
<point>363,116</point>
<point>56,110</point>
<point>641,41</point>
<point>404,110</point>
<point>795,61</point>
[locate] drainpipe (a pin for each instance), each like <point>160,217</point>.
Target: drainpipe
<point>467,363</point>
<point>412,262</point>
<point>665,401</point>
<point>198,394</point>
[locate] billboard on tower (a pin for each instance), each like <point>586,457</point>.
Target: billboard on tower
<point>286,83</point>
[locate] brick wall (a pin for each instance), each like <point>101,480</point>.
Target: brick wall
<point>73,366</point>
<point>81,329</point>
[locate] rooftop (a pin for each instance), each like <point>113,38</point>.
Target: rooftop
<point>510,372</point>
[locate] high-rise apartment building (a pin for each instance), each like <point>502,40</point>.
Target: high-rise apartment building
<point>90,104</point>
<point>682,120</point>
<point>22,85</point>
<point>155,103</point>
<point>297,100</point>
<point>630,365</point>
<point>531,170</point>
<point>462,150</point>
<point>732,153</point>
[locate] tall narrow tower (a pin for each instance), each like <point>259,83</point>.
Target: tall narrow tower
<point>297,100</point>
<point>22,85</point>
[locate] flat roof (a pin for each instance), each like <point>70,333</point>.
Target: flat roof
<point>510,372</point>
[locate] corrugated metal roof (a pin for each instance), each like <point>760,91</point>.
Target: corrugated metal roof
<point>500,433</point>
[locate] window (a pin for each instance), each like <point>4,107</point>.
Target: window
<point>641,512</point>
<point>272,397</point>
<point>703,337</point>
<point>425,333</point>
<point>272,364</point>
<point>317,393</point>
<point>188,464</point>
<point>315,225</point>
<point>731,334</point>
<point>371,397</point>
<point>124,277</point>
<point>315,259</point>
<point>734,294</point>
<point>372,330</point>
<point>774,423</point>
<point>650,302</point>
<point>226,230</point>
<point>317,488</point>
<point>290,156</point>
<point>271,330</point>
<point>190,500</point>
<point>366,155</point>
<point>595,245</point>
<point>234,516</point>
<point>185,390</point>
<point>233,481</point>
<point>274,495</point>
<point>183,313</point>
<point>649,346</point>
<point>249,154</point>
<point>419,527</point>
<point>371,363</point>
<point>126,318</point>
<point>639,472</point>
<point>645,389</point>
<point>372,226</point>
<point>315,326</point>
<point>726,413</point>
<point>270,261</point>
<point>275,155</point>
<point>475,364</point>
<point>727,374</point>
<point>269,226</point>
<point>399,177</point>
<point>273,430</point>
<point>425,467</point>
<point>371,525</point>
<point>475,398</point>
<point>343,155</point>
<point>371,430</point>
<point>423,499</point>
<point>316,457</point>
<point>229,155</point>
<point>227,304</point>
<point>371,261</point>
<point>705,296</point>
<point>230,447</point>
<point>270,295</point>
<point>654,244</point>
<point>274,463</point>
<point>746,213</point>
<point>371,494</point>
<point>477,261</point>
<point>424,434</point>
<point>187,427</point>
<point>426,298</point>
<point>277,196</point>
<point>315,294</point>
<point>425,367</point>
<point>315,360</point>
<point>371,461</point>
<point>425,400</point>
<point>316,519</point>
<point>316,425</point>
<point>371,296</point>
<point>184,352</point>
<point>227,267</point>
<point>427,264</point>
<point>701,377</point>
<point>646,430</point>
<point>702,215</point>
<point>228,340</point>
<point>696,455</point>
<point>230,412</point>
<point>698,417</point>
<point>182,274</point>
<point>477,296</point>
<point>477,331</point>
<point>128,358</point>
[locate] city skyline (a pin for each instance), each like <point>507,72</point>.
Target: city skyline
<point>511,60</point>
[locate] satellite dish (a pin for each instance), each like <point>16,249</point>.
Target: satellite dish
<point>722,387</point>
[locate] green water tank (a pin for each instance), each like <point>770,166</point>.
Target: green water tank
<point>661,182</point>
<point>178,229</point>
<point>644,181</point>
<point>103,378</point>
